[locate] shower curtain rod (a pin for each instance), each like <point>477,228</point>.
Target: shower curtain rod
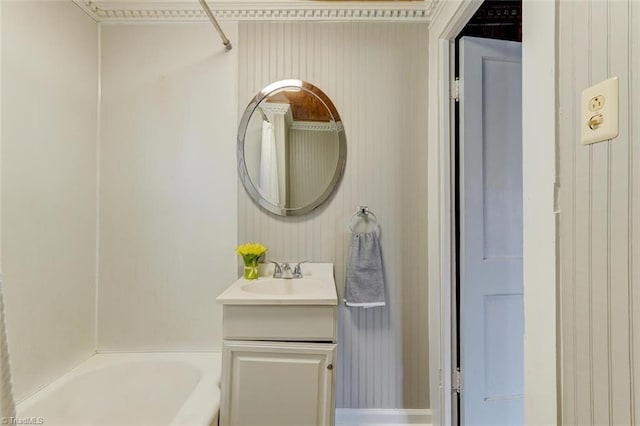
<point>213,20</point>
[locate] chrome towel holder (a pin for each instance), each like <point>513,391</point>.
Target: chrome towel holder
<point>366,214</point>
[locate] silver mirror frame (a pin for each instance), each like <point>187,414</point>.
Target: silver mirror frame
<point>342,148</point>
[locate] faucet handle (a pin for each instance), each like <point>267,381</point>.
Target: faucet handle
<point>297,271</point>
<point>277,270</point>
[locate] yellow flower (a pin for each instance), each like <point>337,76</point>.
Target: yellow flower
<point>250,253</point>
<point>251,249</point>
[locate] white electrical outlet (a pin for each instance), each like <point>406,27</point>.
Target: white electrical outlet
<point>599,118</point>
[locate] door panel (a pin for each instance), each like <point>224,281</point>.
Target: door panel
<point>491,311</point>
<point>504,368</point>
<point>502,159</point>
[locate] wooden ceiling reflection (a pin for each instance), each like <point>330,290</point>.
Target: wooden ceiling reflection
<point>304,106</point>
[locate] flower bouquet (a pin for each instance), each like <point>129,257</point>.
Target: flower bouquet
<point>250,253</point>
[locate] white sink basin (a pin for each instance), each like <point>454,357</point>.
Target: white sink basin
<point>316,287</point>
<point>283,286</point>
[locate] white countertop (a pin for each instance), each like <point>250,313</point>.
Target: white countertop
<point>316,287</point>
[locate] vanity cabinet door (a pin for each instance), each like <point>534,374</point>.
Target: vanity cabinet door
<point>279,384</point>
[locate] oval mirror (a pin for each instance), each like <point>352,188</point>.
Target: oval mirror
<point>291,148</point>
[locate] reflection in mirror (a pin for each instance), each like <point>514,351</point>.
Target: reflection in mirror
<point>291,148</point>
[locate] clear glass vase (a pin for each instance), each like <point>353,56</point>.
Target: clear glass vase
<point>250,268</point>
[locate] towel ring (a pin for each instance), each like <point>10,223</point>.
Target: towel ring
<point>363,212</point>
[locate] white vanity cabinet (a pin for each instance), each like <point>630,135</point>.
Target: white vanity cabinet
<point>279,351</point>
<point>278,383</point>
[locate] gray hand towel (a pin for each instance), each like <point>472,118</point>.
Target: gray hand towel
<point>364,286</point>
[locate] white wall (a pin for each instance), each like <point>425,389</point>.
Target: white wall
<point>168,209</point>
<point>49,120</point>
<point>375,74</point>
<point>599,219</point>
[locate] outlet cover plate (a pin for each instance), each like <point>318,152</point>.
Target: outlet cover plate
<point>608,90</point>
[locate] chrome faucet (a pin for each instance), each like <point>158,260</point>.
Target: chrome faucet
<point>277,270</point>
<point>286,270</point>
<point>283,270</point>
<point>297,271</point>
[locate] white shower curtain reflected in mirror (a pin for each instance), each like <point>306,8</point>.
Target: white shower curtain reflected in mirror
<point>269,183</point>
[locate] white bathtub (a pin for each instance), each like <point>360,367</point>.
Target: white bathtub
<point>132,389</point>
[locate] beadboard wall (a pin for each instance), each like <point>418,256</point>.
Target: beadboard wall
<point>312,154</point>
<point>599,226</point>
<point>376,75</point>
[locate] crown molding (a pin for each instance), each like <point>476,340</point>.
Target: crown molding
<point>316,126</point>
<point>275,108</point>
<point>123,11</point>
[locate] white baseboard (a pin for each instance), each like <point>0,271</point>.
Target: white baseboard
<point>382,417</point>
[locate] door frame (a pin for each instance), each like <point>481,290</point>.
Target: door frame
<point>539,52</point>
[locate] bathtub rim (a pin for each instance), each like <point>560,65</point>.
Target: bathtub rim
<point>202,402</point>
